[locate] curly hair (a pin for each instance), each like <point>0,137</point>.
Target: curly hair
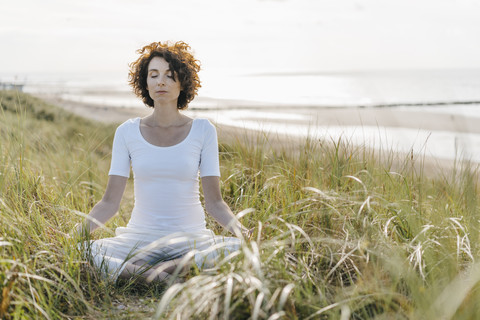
<point>180,60</point>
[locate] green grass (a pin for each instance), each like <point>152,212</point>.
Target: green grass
<point>342,232</point>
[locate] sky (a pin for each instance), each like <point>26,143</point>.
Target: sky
<point>249,36</point>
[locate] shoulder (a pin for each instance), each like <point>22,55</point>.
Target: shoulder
<point>128,125</point>
<point>205,124</point>
<point>130,122</point>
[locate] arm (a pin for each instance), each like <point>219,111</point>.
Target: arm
<point>105,208</point>
<point>218,209</point>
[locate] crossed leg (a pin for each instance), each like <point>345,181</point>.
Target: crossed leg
<point>160,272</point>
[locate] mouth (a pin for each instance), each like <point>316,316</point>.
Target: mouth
<point>161,92</point>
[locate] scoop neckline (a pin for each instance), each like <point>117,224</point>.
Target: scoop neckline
<point>161,147</point>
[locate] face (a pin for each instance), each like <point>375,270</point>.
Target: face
<point>161,83</point>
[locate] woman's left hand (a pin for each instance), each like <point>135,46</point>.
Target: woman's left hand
<point>248,233</point>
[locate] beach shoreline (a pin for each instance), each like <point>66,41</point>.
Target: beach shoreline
<point>401,117</point>
<point>347,117</point>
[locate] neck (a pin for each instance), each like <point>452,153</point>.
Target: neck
<point>166,115</point>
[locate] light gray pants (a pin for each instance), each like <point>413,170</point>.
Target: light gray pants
<point>129,245</point>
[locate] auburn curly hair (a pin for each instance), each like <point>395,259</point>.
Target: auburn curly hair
<point>180,60</point>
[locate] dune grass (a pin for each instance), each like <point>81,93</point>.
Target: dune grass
<point>341,233</point>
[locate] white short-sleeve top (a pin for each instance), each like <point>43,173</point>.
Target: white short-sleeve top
<point>166,183</point>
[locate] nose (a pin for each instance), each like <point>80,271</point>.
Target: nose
<point>161,81</point>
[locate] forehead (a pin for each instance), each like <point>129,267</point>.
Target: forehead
<point>159,64</point>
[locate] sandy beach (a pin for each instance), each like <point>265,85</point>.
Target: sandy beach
<point>377,117</point>
<point>257,118</point>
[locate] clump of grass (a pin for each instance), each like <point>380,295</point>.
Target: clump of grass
<point>341,231</point>
<point>48,169</point>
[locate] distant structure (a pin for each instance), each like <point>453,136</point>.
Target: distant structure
<point>11,86</point>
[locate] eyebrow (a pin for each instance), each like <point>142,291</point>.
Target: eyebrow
<point>156,70</point>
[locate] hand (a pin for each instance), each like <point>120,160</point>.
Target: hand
<point>248,234</point>
<point>53,230</point>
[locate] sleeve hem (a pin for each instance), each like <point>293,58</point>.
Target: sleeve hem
<point>119,174</point>
<point>210,174</point>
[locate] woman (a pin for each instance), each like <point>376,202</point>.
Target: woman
<point>167,152</point>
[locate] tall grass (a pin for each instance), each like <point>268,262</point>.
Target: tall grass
<point>342,232</point>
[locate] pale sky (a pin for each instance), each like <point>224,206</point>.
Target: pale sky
<point>252,36</point>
